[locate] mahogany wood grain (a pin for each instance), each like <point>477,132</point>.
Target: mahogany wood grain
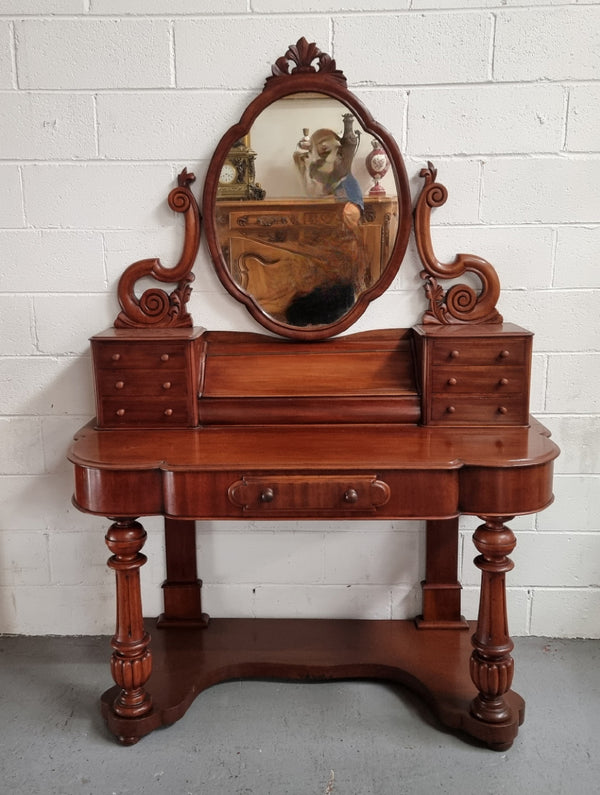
<point>428,423</point>
<point>433,663</point>
<point>156,307</point>
<point>461,303</point>
<point>131,661</point>
<point>147,377</point>
<point>491,663</point>
<point>441,588</point>
<point>182,587</point>
<point>474,374</point>
<point>367,446</point>
<point>342,471</point>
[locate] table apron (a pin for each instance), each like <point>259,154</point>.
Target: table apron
<point>413,493</point>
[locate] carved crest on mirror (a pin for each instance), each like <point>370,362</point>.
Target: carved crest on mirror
<point>307,216</point>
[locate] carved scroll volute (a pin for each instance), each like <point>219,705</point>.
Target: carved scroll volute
<point>461,303</point>
<point>157,308</point>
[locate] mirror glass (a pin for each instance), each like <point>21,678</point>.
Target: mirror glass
<point>306,211</point>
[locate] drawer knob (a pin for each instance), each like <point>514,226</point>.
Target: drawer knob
<point>167,385</point>
<point>119,384</point>
<point>450,410</point>
<point>452,382</point>
<point>115,357</point>
<point>504,354</point>
<point>267,495</point>
<point>502,410</point>
<point>164,357</point>
<point>503,381</point>
<point>168,412</point>
<point>351,495</point>
<point>120,412</point>
<point>454,354</point>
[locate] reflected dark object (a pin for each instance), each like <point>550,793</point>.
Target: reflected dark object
<point>280,250</point>
<point>322,305</point>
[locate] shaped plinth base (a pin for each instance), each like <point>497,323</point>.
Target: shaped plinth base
<point>433,663</point>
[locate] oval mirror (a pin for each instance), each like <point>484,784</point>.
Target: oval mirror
<point>306,202</point>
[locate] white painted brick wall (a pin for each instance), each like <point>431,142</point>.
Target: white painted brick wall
<point>555,44</point>
<point>102,102</point>
<point>93,53</point>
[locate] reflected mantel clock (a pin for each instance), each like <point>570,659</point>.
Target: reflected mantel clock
<point>238,174</point>
<point>428,422</point>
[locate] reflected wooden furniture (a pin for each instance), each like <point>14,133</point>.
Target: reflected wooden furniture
<point>278,249</point>
<point>425,423</point>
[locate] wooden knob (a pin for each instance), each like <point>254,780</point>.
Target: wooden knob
<point>351,495</point>
<point>502,410</point>
<point>267,495</point>
<point>503,381</point>
<point>168,412</point>
<point>119,384</point>
<point>167,385</point>
<point>164,357</point>
<point>452,381</point>
<point>120,412</point>
<point>450,410</point>
<point>454,354</point>
<point>115,357</point>
<point>504,354</point>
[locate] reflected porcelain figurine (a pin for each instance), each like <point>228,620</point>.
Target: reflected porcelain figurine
<point>377,164</point>
<point>324,162</point>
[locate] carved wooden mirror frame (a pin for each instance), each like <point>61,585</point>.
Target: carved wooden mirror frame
<point>305,69</point>
<point>296,73</point>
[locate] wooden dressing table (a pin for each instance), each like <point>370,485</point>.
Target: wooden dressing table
<point>430,422</point>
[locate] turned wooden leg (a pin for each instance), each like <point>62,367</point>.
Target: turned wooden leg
<point>131,662</point>
<point>491,662</point>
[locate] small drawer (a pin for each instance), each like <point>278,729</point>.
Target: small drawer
<point>165,355</point>
<point>500,410</point>
<point>478,380</point>
<point>158,412</point>
<point>479,351</point>
<point>151,383</point>
<point>306,494</point>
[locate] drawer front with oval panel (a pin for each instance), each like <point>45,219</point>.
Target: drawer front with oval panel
<point>308,494</point>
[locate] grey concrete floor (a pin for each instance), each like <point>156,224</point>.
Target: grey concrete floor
<point>273,738</point>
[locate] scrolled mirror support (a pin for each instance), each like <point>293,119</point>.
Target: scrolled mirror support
<point>461,303</point>
<point>157,308</point>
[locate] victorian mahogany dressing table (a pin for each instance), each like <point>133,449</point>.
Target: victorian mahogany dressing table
<point>429,422</point>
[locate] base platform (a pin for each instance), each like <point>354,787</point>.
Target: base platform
<point>433,663</point>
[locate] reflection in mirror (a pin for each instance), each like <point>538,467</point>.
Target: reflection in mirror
<point>324,227</point>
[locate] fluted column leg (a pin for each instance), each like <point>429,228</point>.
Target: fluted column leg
<point>491,663</point>
<point>131,662</point>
